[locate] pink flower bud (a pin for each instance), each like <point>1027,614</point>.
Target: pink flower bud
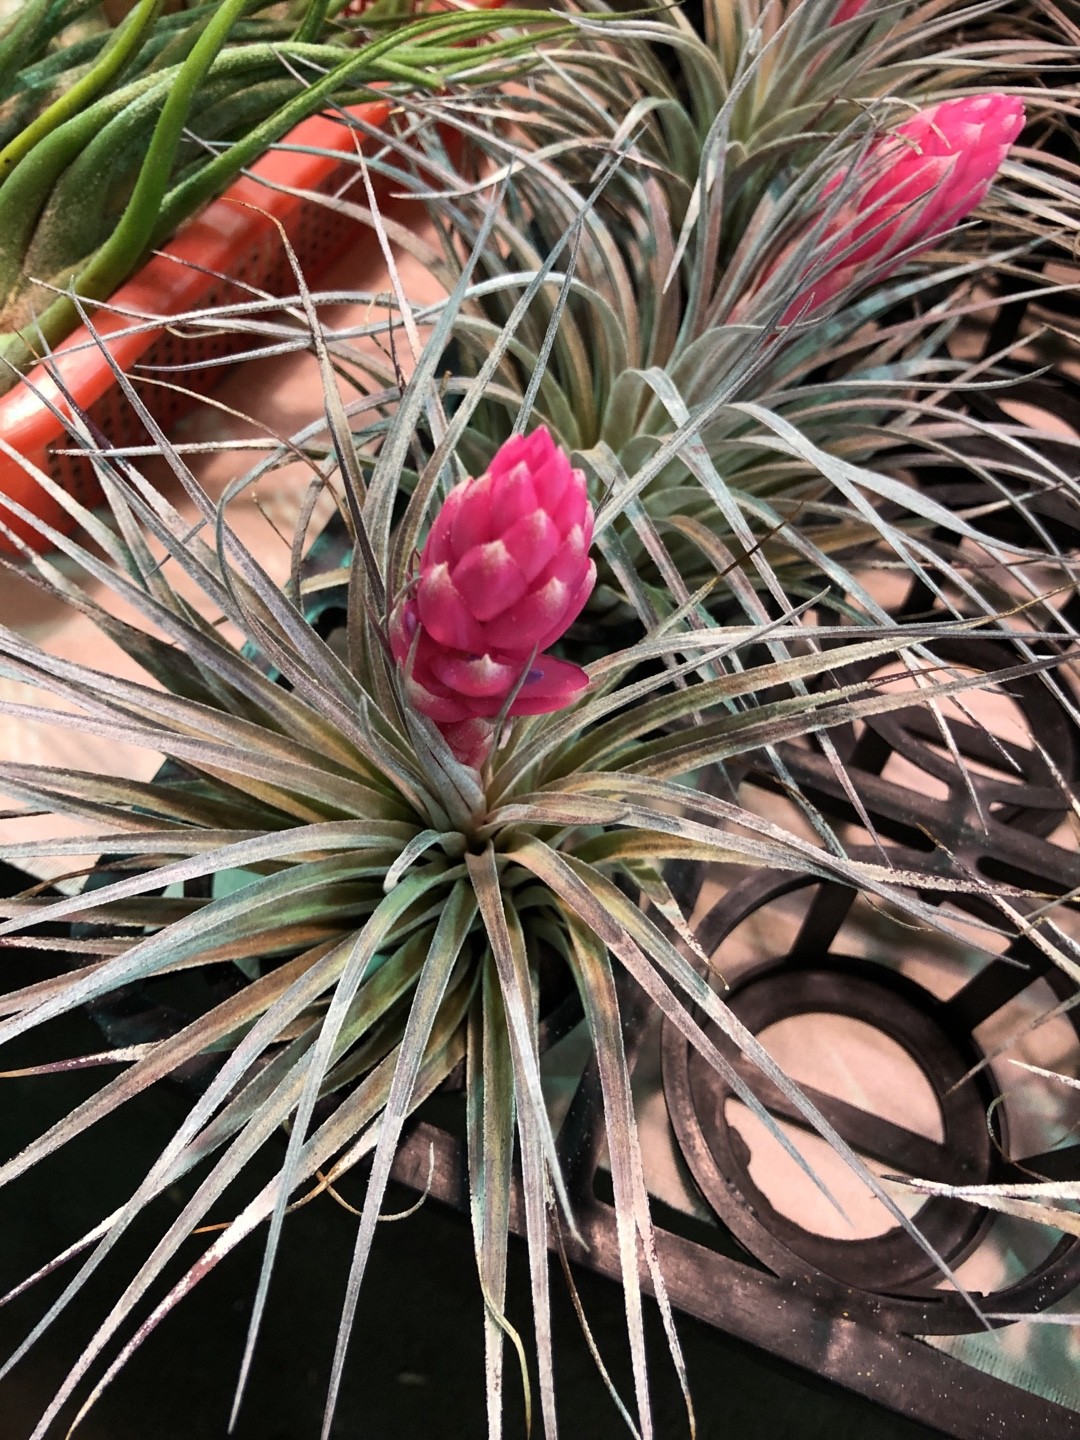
<point>505,571</point>
<point>920,181</point>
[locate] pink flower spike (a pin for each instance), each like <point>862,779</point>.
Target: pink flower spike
<point>505,571</point>
<point>529,486</point>
<point>920,182</point>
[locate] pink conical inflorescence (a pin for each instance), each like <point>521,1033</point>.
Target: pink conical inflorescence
<point>504,572</point>
<point>920,181</point>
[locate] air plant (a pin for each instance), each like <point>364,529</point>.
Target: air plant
<point>400,900</point>
<point>407,882</point>
<point>741,162</point>
<point>910,190</point>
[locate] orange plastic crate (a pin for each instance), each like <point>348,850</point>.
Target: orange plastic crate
<point>230,238</point>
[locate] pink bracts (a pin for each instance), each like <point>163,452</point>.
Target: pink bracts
<point>920,181</point>
<point>504,572</point>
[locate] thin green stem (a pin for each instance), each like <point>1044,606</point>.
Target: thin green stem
<point>314,20</point>
<point>185,198</point>
<point>181,44</point>
<point>26,190</point>
<point>131,236</point>
<point>153,212</point>
<point>20,40</point>
<point>122,46</point>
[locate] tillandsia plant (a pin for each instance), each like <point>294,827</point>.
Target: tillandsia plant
<point>404,892</point>
<point>464,802</point>
<point>106,145</point>
<point>798,231</point>
<point>908,191</point>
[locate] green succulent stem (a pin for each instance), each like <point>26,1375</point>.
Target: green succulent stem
<point>32,183</point>
<point>121,47</point>
<point>195,191</point>
<point>113,261</point>
<point>20,40</point>
<point>27,188</point>
<point>314,19</point>
<point>180,45</point>
<point>153,211</point>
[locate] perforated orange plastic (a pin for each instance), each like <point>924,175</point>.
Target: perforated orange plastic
<point>228,237</point>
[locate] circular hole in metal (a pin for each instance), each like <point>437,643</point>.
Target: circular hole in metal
<point>984,748</point>
<point>957,1150</point>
